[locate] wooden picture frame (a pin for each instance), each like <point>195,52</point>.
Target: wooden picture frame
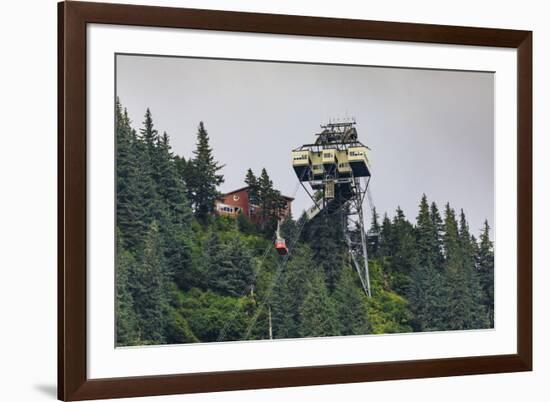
<point>73,383</point>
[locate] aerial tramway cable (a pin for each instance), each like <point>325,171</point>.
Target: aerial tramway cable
<point>223,332</point>
<point>274,281</point>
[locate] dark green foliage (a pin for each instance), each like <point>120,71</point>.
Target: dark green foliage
<point>270,201</point>
<point>427,297</point>
<point>208,313</point>
<point>170,184</point>
<point>253,187</point>
<point>485,261</point>
<point>325,237</point>
<point>351,304</point>
<point>318,312</point>
<point>185,275</point>
<point>456,315</point>
<point>126,320</point>
<point>374,235</point>
<point>180,165</point>
<point>231,271</point>
<point>425,282</point>
<point>149,134</point>
<point>264,189</point>
<point>437,227</point>
<point>404,254</point>
<point>176,215</point>
<point>426,237</point>
<point>285,319</point>
<point>289,293</point>
<point>289,230</point>
<point>450,238</point>
<point>386,247</point>
<point>202,176</point>
<point>149,284</point>
<point>464,308</point>
<point>245,225</point>
<point>134,187</point>
<point>211,258</point>
<point>478,312</point>
<point>177,328</point>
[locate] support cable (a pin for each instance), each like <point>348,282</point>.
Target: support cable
<point>274,281</point>
<point>223,332</point>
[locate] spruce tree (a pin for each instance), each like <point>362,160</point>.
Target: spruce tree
<point>351,304</point>
<point>425,285</point>
<point>150,164</point>
<point>126,321</point>
<point>426,241</point>
<point>451,243</point>
<point>270,201</point>
<point>253,187</point>
<point>374,235</point>
<point>485,258</point>
<point>326,240</point>
<point>246,225</point>
<point>456,303</point>
<point>211,257</point>
<point>125,174</point>
<point>149,287</point>
<point>290,292</point>
<point>437,226</point>
<point>282,314</point>
<point>464,307</point>
<point>181,166</point>
<point>289,230</point>
<point>386,237</point>
<point>404,258</point>
<point>148,203</point>
<point>301,223</point>
<point>265,188</point>
<point>233,272</point>
<point>175,215</point>
<point>375,225</point>
<point>427,296</point>
<point>132,185</point>
<point>171,186</point>
<point>318,313</point>
<point>149,134</point>
<point>478,312</point>
<point>203,177</point>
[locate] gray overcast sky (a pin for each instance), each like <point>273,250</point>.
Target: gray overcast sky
<point>430,131</point>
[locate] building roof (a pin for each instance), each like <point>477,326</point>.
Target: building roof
<point>246,188</point>
<point>236,191</point>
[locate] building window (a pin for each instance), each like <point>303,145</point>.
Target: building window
<point>235,197</point>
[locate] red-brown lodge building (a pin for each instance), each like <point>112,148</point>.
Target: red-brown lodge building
<point>237,201</point>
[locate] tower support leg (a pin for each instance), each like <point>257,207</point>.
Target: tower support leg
<point>358,252</point>
<point>364,247</point>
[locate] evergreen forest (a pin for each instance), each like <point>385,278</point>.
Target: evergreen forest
<point>185,274</point>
